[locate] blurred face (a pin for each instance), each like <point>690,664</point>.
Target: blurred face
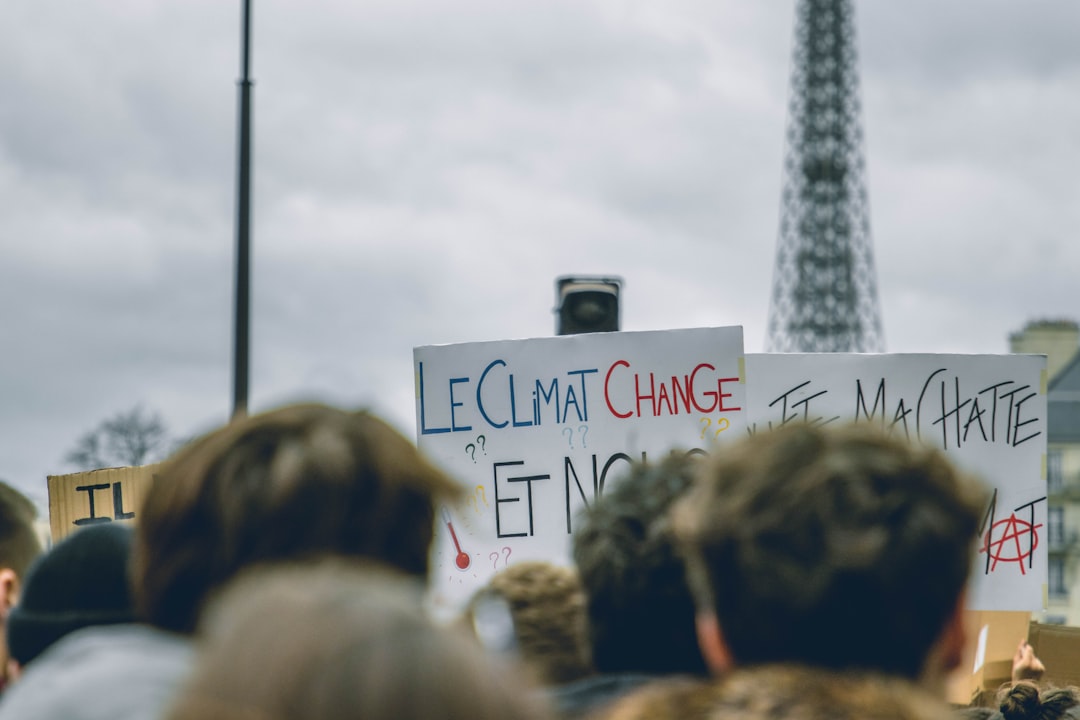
<point>9,592</point>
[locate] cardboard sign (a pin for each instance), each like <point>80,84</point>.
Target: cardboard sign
<point>97,496</point>
<point>1058,646</point>
<point>988,412</point>
<point>992,640</point>
<point>536,429</point>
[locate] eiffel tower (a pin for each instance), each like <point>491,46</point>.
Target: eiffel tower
<point>824,295</point>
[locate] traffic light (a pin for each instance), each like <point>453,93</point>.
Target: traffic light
<point>587,304</point>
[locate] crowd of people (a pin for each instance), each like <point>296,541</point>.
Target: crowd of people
<point>279,564</point>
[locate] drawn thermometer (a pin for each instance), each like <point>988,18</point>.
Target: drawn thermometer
<point>462,560</point>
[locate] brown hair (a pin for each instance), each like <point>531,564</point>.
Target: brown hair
<point>547,606</point>
<point>332,641</point>
<point>804,539</point>
<point>300,481</point>
<point>669,697</point>
<point>19,542</point>
<point>780,692</point>
<point>1025,701</point>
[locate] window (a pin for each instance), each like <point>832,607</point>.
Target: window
<point>1054,476</point>
<point>1055,518</point>
<point>1056,577</point>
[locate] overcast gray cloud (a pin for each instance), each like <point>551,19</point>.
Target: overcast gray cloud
<point>424,170</point>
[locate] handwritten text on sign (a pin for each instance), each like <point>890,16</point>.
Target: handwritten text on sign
<point>98,496</point>
<point>988,412</point>
<point>536,428</point>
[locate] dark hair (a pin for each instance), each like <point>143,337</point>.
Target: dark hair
<point>832,546</point>
<point>1025,701</point>
<point>297,482</point>
<point>639,607</point>
<point>331,640</point>
<point>547,606</point>
<point>19,542</point>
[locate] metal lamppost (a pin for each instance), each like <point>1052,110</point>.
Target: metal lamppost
<point>241,344</point>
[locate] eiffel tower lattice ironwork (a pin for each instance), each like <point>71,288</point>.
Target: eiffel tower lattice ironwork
<point>824,296</point>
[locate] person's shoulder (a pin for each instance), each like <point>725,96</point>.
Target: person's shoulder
<point>102,648</point>
<point>114,672</point>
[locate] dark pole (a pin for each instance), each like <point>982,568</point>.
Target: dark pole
<point>241,360</point>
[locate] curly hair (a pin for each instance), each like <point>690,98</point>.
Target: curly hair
<point>781,692</point>
<point>547,605</point>
<point>639,606</point>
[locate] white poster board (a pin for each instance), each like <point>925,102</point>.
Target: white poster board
<point>988,412</point>
<point>536,428</point>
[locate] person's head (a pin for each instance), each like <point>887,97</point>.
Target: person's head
<point>331,641</point>
<point>294,483</point>
<point>82,581</point>
<point>19,546</point>
<point>1025,700</point>
<point>831,546</point>
<point>19,541</point>
<point>547,608</point>
<point>639,607</point>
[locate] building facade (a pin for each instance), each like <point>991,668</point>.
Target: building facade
<point>1059,340</point>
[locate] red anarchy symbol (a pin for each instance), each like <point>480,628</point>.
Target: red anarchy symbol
<point>1010,539</point>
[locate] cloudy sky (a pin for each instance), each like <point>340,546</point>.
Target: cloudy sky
<point>425,169</point>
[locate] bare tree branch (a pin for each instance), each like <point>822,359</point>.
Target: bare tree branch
<point>134,437</point>
<point>87,452</point>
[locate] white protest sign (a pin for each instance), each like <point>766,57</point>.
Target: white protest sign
<point>988,412</point>
<point>535,428</point>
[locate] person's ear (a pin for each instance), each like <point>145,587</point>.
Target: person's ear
<point>713,647</point>
<point>14,670</point>
<point>9,589</point>
<point>953,638</point>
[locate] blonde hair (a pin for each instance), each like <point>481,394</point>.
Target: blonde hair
<point>337,640</point>
<point>547,605</point>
